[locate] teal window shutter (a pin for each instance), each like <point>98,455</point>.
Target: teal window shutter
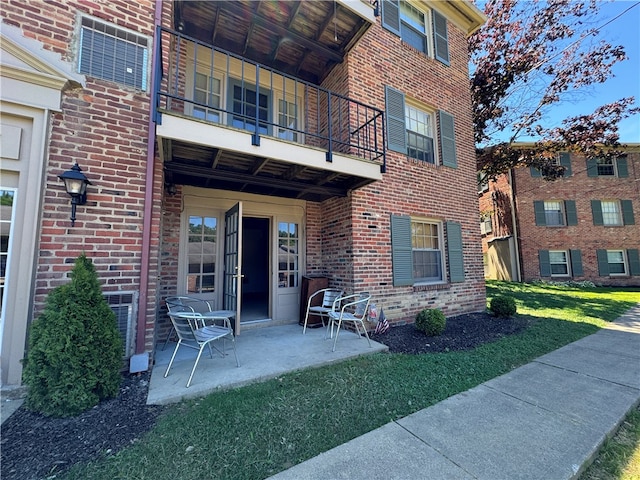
<point>572,213</point>
<point>627,212</point>
<point>401,250</point>
<point>565,161</point>
<point>535,172</point>
<point>576,263</point>
<point>391,15</point>
<point>447,139</point>
<point>634,261</point>
<point>603,263</point>
<point>596,211</point>
<point>623,169</point>
<point>545,265</point>
<point>440,37</point>
<point>538,211</point>
<point>592,167</point>
<point>396,127</point>
<point>454,252</point>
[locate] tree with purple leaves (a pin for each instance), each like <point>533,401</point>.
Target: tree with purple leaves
<point>528,58</point>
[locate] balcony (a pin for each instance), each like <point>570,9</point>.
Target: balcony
<point>228,123</point>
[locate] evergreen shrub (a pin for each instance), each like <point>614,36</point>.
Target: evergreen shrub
<point>75,352</point>
<point>431,321</point>
<point>502,306</point>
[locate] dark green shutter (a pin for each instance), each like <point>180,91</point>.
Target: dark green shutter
<point>545,265</point>
<point>627,212</point>
<point>440,37</point>
<point>401,250</point>
<point>538,211</point>
<point>592,167</point>
<point>603,263</point>
<point>454,252</point>
<point>565,161</point>
<point>623,169</point>
<point>634,261</point>
<point>535,172</point>
<point>571,212</point>
<point>447,139</point>
<point>391,16</point>
<point>576,263</point>
<point>396,129</point>
<point>596,211</point>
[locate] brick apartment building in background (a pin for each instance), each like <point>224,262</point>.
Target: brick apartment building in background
<point>336,136</point>
<point>583,226</point>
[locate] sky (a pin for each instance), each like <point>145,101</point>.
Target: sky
<point>625,31</point>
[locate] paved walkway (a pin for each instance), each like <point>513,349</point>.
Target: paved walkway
<point>545,420</point>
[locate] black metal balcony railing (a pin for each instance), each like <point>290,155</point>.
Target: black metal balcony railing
<point>209,84</point>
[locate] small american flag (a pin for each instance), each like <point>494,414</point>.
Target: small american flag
<point>383,324</point>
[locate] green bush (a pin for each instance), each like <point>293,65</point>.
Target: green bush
<point>431,321</point>
<point>74,358</point>
<point>502,306</point>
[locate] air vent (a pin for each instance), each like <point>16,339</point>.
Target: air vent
<point>124,306</point>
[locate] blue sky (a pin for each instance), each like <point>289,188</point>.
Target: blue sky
<point>622,31</point>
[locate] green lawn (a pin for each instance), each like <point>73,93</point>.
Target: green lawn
<point>259,430</point>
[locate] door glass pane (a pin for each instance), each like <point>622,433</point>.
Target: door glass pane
<point>288,255</point>
<point>6,214</point>
<point>287,119</point>
<point>201,254</point>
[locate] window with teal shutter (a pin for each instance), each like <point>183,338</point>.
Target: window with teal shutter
<point>396,127</point>
<point>627,212</point>
<point>539,213</point>
<point>401,250</point>
<point>455,252</point>
<point>447,139</point>
<point>544,262</point>
<point>576,263</point>
<point>603,263</point>
<point>571,212</point>
<point>634,261</point>
<point>596,211</point>
<point>441,40</point>
<point>391,15</point>
<point>623,169</point>
<point>565,161</point>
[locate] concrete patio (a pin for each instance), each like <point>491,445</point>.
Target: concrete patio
<point>263,353</point>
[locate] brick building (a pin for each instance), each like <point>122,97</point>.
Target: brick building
<point>580,227</point>
<point>273,140</point>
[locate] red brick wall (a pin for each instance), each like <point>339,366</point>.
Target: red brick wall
<point>356,231</point>
<point>584,236</point>
<point>103,127</point>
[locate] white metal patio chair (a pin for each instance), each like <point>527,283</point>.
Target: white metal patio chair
<point>182,303</point>
<point>329,296</point>
<point>197,332</point>
<point>350,309</point>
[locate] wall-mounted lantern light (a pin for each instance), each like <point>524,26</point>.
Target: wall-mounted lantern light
<point>76,184</point>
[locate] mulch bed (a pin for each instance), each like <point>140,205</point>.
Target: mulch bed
<point>35,447</point>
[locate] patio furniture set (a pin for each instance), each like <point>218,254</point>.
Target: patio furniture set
<point>198,326</point>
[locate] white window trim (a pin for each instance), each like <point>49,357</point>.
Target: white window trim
<point>614,163</point>
<point>278,95</point>
<point>567,263</point>
<point>428,23</point>
<point>443,252</point>
<point>620,220</point>
<point>624,263</point>
<point>563,214</point>
<point>435,127</point>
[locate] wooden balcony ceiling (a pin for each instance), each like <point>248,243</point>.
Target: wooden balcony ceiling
<point>305,39</point>
<point>206,167</point>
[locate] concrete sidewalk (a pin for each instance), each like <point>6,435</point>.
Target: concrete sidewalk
<point>545,420</point>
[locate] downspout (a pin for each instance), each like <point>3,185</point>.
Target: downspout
<point>140,361</point>
<point>514,219</point>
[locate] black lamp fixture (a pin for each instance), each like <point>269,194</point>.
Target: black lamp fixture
<point>76,184</point>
